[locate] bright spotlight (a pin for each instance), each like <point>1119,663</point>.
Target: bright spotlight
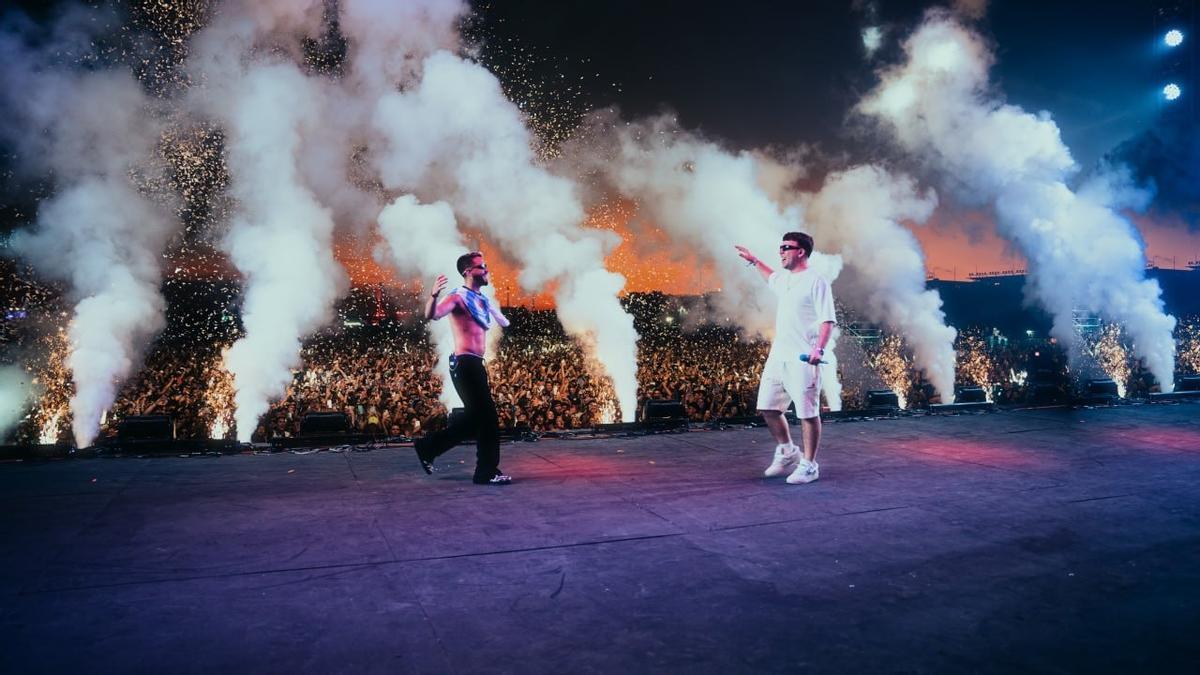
<point>1173,38</point>
<point>1172,91</point>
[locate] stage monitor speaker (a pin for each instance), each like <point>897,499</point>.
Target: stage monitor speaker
<point>1102,387</point>
<point>660,409</point>
<point>146,428</point>
<point>971,395</point>
<point>882,398</point>
<point>1041,392</point>
<point>324,424</point>
<point>1188,383</point>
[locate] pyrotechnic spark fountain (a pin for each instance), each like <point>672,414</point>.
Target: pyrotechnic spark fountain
<point>606,394</point>
<point>975,362</point>
<point>608,412</point>
<point>54,380</point>
<point>1188,353</point>
<point>1108,349</point>
<point>890,361</point>
<point>218,399</point>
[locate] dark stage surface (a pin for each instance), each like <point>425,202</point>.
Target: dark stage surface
<point>1032,541</point>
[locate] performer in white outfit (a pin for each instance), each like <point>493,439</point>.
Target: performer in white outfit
<point>804,319</point>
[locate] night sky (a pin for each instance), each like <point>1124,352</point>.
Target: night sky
<point>768,73</point>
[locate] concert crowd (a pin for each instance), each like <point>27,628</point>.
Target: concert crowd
<point>383,376</point>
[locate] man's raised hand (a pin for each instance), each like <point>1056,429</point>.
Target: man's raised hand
<point>439,285</point>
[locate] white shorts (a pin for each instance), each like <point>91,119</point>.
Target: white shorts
<point>784,382</point>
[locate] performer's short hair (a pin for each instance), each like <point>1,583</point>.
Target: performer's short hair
<point>802,240</point>
<point>464,261</point>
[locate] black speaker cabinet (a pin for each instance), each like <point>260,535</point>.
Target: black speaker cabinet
<point>971,395</point>
<point>324,424</point>
<point>146,428</point>
<point>659,409</point>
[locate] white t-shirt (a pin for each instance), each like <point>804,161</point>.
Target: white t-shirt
<point>805,302</point>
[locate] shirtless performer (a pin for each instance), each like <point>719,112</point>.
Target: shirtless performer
<point>471,315</point>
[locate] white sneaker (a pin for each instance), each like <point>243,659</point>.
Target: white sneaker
<point>785,457</point>
<point>806,472</point>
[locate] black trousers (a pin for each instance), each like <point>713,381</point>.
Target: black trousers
<point>471,382</point>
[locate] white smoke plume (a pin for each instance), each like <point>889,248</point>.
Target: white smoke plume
<point>388,42</point>
<point>423,240</point>
<point>103,230</point>
<point>327,161</point>
<point>456,136</point>
<point>116,237</point>
<point>711,198</point>
<point>857,213</point>
<point>831,386</point>
<point>280,237</point>
<point>15,392</point>
<point>1082,254</point>
<point>707,198</point>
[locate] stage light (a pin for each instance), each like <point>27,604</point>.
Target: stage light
<point>1173,38</point>
<point>1172,91</point>
<point>872,38</point>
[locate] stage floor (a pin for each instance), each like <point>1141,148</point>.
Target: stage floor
<point>1049,540</point>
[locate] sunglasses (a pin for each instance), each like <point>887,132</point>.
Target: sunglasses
<point>477,267</point>
<point>788,247</point>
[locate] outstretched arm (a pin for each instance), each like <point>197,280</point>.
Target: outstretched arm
<point>435,310</point>
<point>760,265</point>
<point>500,318</point>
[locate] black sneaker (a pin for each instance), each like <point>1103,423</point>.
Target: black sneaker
<point>423,455</point>
<point>498,479</point>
